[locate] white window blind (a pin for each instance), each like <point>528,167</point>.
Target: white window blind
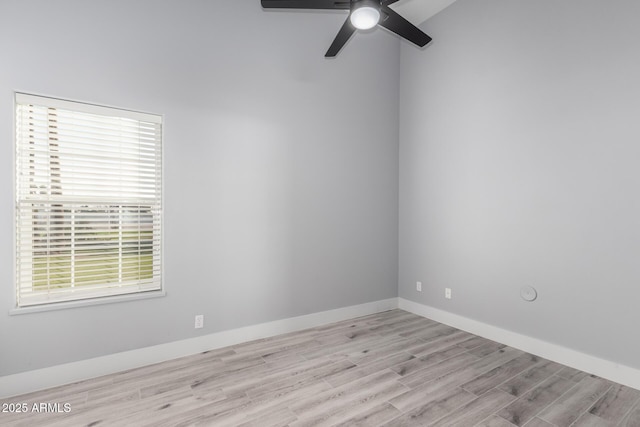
<point>88,200</point>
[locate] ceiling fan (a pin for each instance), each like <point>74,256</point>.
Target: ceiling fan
<point>363,14</point>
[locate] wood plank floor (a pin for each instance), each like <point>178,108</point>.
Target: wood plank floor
<point>389,369</point>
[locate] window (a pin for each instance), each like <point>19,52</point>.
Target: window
<point>88,201</point>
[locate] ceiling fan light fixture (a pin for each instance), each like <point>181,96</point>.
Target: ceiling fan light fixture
<point>363,14</point>
<point>365,17</point>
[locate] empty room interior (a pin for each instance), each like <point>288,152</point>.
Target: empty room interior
<point>246,213</point>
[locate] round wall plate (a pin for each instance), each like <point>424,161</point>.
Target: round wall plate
<point>528,293</point>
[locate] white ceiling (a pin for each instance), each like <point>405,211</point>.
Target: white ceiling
<point>418,11</point>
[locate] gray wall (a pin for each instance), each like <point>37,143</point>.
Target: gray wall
<point>519,165</point>
<point>280,193</point>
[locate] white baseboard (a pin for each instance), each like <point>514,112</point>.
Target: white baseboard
<point>26,382</point>
<point>603,368</point>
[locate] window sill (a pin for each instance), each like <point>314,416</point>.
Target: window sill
<point>66,305</point>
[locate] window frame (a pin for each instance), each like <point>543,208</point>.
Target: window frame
<point>22,98</point>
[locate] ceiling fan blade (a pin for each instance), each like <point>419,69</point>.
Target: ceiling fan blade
<point>405,29</point>
<point>341,39</point>
<point>306,4</point>
<point>388,2</point>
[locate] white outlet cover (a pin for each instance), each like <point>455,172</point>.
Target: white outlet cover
<point>528,293</point>
<point>199,322</point>
<point>419,286</point>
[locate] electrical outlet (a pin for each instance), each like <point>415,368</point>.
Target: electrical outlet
<point>199,321</point>
<point>447,293</point>
<point>419,286</point>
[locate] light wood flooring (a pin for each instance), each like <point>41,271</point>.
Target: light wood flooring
<point>388,369</point>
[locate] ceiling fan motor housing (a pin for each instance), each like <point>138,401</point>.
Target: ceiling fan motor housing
<point>356,4</point>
